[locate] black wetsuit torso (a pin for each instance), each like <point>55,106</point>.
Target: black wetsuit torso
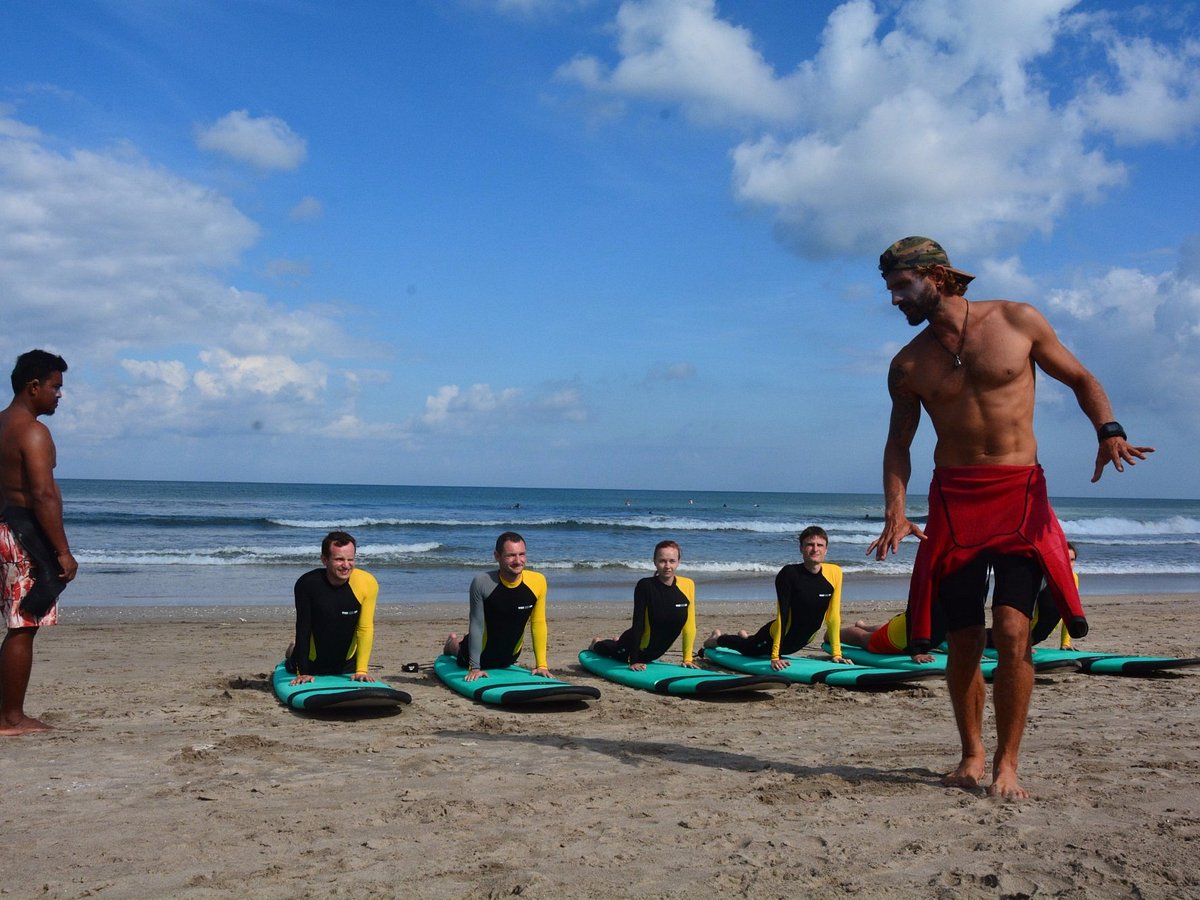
<point>327,618</point>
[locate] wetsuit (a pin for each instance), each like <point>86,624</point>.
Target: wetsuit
<point>335,626</point>
<point>661,612</point>
<point>498,615</point>
<point>981,516</point>
<point>804,601</point>
<point>892,636</point>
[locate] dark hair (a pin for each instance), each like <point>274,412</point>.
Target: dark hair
<point>814,531</point>
<point>337,539</point>
<point>35,365</point>
<point>662,545</point>
<point>1071,547</point>
<point>509,537</point>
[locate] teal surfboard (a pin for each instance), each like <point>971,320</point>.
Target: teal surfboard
<point>806,670</point>
<point>512,686</point>
<point>668,678</point>
<point>1113,663</point>
<point>903,661</point>
<point>331,693</point>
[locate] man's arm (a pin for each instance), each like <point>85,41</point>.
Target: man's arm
<point>641,602</point>
<point>476,622</point>
<point>537,623</point>
<point>1053,358</point>
<point>897,464</point>
<point>45,499</point>
<point>303,640</point>
<point>366,590</point>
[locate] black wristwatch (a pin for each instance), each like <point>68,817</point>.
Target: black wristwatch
<point>1111,429</point>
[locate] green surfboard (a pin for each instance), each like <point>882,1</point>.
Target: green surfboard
<point>903,661</point>
<point>1113,663</point>
<point>668,678</point>
<point>512,686</point>
<point>806,670</point>
<point>332,693</point>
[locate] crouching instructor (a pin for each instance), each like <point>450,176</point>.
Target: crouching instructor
<point>35,559</point>
<point>335,615</point>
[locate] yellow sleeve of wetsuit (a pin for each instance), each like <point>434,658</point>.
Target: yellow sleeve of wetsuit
<point>688,636</point>
<point>536,582</point>
<point>777,628</point>
<point>366,589</point>
<point>1064,637</point>
<point>833,614</point>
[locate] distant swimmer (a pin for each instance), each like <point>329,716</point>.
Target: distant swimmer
<point>664,607</point>
<point>807,596</point>
<point>972,368</point>
<point>502,602</point>
<point>335,615</point>
<point>35,559</point>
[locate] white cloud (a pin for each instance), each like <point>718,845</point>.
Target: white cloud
<point>266,142</point>
<point>127,265</point>
<point>1140,329</point>
<point>455,408</point>
<point>679,50</point>
<point>1151,94</point>
<point>275,377</point>
<point>677,371</point>
<point>480,408</point>
<point>938,119</point>
<point>306,210</point>
<point>172,374</point>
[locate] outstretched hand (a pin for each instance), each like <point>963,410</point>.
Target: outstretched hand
<point>894,531</point>
<point>1117,450</point>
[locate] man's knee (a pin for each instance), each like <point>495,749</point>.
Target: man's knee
<point>1010,632</point>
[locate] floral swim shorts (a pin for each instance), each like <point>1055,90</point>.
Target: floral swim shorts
<point>16,582</point>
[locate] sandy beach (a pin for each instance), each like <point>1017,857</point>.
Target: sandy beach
<point>174,772</point>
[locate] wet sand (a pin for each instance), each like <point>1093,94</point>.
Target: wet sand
<point>174,772</point>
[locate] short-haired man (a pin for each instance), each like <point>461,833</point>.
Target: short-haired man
<point>807,596</point>
<point>35,558</point>
<point>972,369</point>
<point>335,615</point>
<point>502,602</point>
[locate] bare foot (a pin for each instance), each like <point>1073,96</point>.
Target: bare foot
<point>711,641</point>
<point>861,623</point>
<point>25,725</point>
<point>592,645</point>
<point>968,773</point>
<point>743,633</point>
<point>1006,787</point>
<point>451,646</point>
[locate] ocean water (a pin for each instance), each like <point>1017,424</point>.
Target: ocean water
<point>187,543</point>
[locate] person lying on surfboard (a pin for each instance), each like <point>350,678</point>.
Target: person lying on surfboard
<point>664,606</point>
<point>808,595</point>
<point>335,615</point>
<point>502,602</point>
<point>892,636</point>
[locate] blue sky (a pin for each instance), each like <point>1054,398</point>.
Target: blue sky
<point>583,244</point>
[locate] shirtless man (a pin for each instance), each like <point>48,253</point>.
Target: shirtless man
<point>35,558</point>
<point>972,369</point>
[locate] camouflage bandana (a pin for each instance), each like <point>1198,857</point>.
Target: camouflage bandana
<point>916,253</point>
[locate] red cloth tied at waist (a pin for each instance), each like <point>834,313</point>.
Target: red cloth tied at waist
<point>1002,509</point>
